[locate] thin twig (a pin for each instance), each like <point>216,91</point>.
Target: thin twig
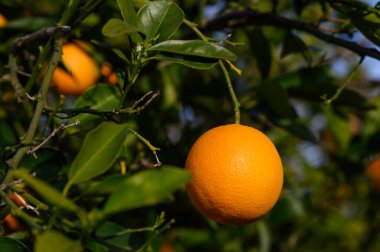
<point>41,34</point>
<point>107,114</point>
<point>55,132</point>
<point>354,71</point>
<point>250,17</point>
<point>134,107</point>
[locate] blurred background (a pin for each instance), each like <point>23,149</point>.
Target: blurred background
<point>331,193</point>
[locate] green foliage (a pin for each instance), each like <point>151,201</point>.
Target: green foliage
<point>97,186</point>
<point>99,151</point>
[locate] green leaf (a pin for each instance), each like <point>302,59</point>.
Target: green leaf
<point>11,245</point>
<point>100,97</point>
<point>52,195</point>
<point>277,99</point>
<point>31,24</point>
<point>159,20</point>
<point>261,49</point>
<point>57,242</point>
<point>293,44</point>
<point>197,48</point>
<point>367,21</point>
<point>128,12</point>
<point>313,83</point>
<point>107,185</point>
<point>108,229</point>
<point>116,27</point>
<point>99,151</point>
<point>46,163</point>
<point>146,188</point>
<point>7,135</point>
<point>297,128</point>
<point>195,63</point>
<point>340,129</point>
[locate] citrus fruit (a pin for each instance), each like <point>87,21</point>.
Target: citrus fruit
<point>3,21</point>
<point>83,69</point>
<point>236,172</point>
<point>12,223</point>
<point>108,74</point>
<point>373,171</point>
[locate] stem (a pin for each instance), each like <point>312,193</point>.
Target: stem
<point>16,211</point>
<point>328,102</point>
<point>149,145</point>
<point>235,101</point>
<point>194,27</point>
<point>232,92</point>
<point>37,69</point>
<point>40,105</point>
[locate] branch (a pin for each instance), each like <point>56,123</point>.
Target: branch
<point>55,132</point>
<point>41,34</point>
<point>137,107</point>
<point>251,17</point>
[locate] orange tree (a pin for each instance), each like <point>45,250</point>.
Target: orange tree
<point>84,165</point>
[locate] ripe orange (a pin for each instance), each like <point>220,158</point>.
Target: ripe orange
<point>12,223</point>
<point>108,74</point>
<point>3,21</point>
<point>237,174</point>
<point>373,170</point>
<point>83,68</point>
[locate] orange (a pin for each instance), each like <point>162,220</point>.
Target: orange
<point>236,172</point>
<point>108,73</point>
<point>12,223</point>
<point>373,171</point>
<point>83,68</point>
<point>3,21</point>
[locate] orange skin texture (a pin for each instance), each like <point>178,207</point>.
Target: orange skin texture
<point>3,21</point>
<point>237,174</point>
<point>84,71</point>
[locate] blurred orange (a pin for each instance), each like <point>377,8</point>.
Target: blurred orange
<point>13,223</point>
<point>373,171</point>
<point>3,21</point>
<point>83,69</point>
<point>108,74</point>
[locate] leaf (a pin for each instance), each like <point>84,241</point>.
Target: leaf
<point>340,129</point>
<point>128,12</point>
<point>107,185</point>
<point>146,188</point>
<point>277,99</point>
<point>7,135</point>
<point>116,27</point>
<point>99,151</point>
<point>55,241</point>
<point>261,49</point>
<point>12,245</point>
<point>189,62</point>
<point>46,164</point>
<point>100,97</point>
<point>51,194</point>
<point>159,20</point>
<point>297,128</point>
<point>313,83</point>
<point>108,229</point>
<point>198,48</point>
<point>293,44</point>
<point>31,24</point>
